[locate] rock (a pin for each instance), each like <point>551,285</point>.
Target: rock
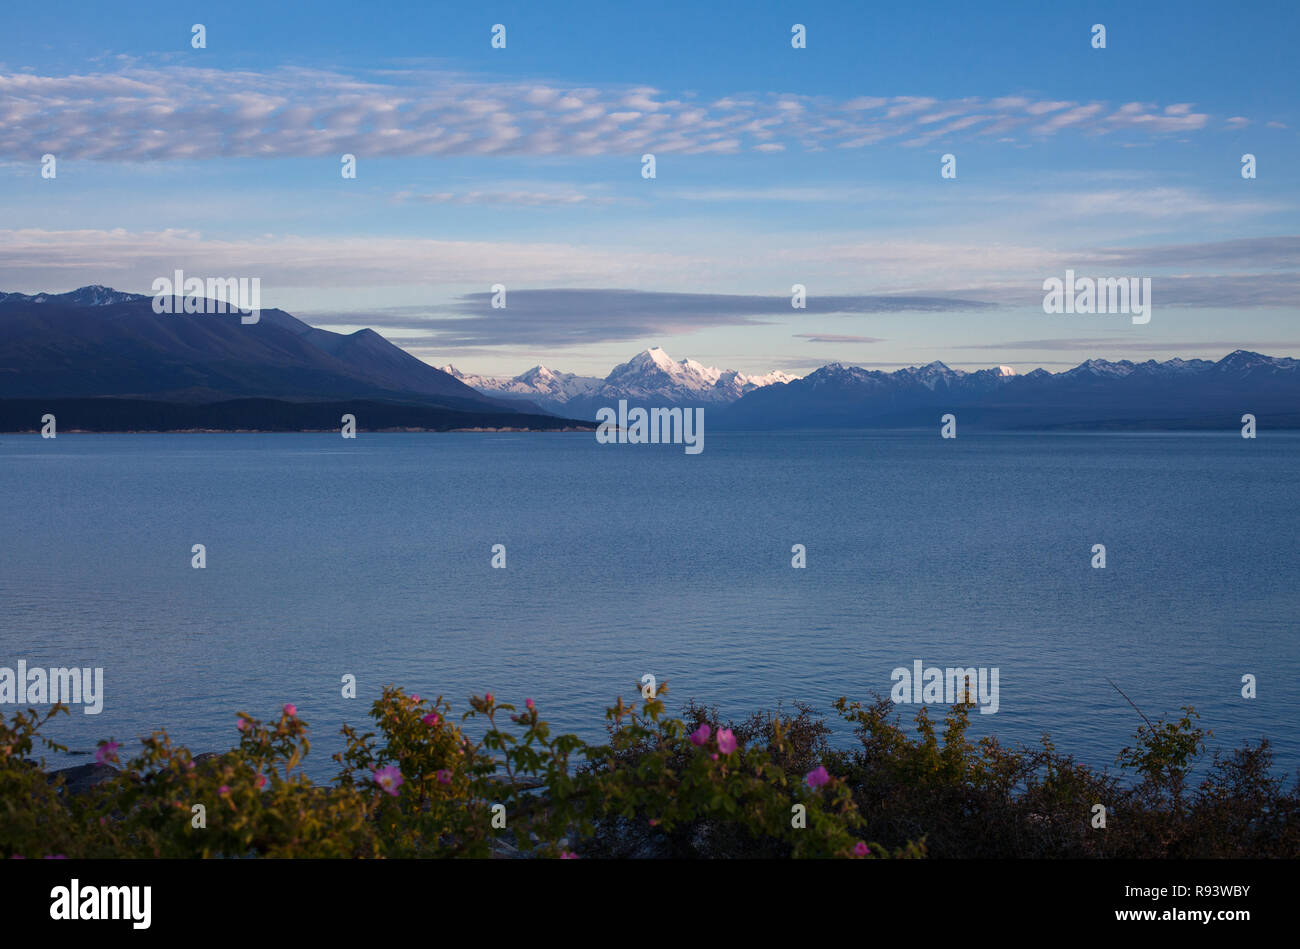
<point>504,851</point>
<point>207,761</point>
<point>83,777</point>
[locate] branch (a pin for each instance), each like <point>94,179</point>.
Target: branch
<point>1130,702</point>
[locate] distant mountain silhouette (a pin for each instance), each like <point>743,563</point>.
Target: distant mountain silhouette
<point>96,341</point>
<point>1177,394</point>
<point>100,344</point>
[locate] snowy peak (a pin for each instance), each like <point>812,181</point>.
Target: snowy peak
<point>649,375</point>
<point>654,370</point>
<point>655,356</point>
<point>1243,361</point>
<point>538,382</point>
<point>1098,393</point>
<point>1102,369</point>
<point>93,295</point>
<point>653,374</point>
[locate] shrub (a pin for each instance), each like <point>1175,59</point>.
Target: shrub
<point>768,786</point>
<point>419,787</point>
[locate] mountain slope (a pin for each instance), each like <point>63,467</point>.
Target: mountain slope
<point>96,341</point>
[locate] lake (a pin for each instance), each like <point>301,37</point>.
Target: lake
<point>372,557</point>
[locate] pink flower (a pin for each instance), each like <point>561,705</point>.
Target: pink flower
<point>444,776</point>
<point>261,781</point>
<point>431,719</point>
<point>487,697</point>
<point>415,699</point>
<point>390,779</point>
<point>291,710</point>
<point>714,756</point>
<point>726,741</point>
<point>818,777</point>
<point>568,855</point>
<point>107,752</point>
<point>654,822</point>
<point>54,856</point>
<point>701,734</point>
<point>529,703</point>
<point>861,849</point>
<point>241,724</point>
<point>224,789</point>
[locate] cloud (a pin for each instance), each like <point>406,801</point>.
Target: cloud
<point>1255,252</point>
<point>798,193</point>
<point>513,198</point>
<point>887,276</point>
<point>560,317</point>
<point>1129,343</point>
<point>185,112</point>
<point>834,338</point>
<point>1248,272</point>
<point>1174,118</point>
<point>1219,291</point>
<point>43,259</point>
<point>1151,203</point>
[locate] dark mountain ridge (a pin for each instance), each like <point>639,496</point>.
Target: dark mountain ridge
<point>97,342</point>
<point>1096,394</point>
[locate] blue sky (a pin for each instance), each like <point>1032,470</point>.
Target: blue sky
<point>775,166</point>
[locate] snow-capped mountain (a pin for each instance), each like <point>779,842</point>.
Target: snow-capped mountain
<point>1178,393</point>
<point>538,383</point>
<point>648,377</point>
<point>653,374</point>
<point>93,295</point>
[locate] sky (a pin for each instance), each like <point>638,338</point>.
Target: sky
<point>774,166</point>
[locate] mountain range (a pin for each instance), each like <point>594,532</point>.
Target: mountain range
<point>105,356</point>
<point>648,378</point>
<point>1097,394</point>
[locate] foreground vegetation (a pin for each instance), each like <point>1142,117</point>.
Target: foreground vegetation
<point>769,786</point>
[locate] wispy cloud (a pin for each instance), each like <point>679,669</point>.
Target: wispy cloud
<point>835,338</point>
<point>560,317</point>
<point>1132,344</point>
<point>182,112</point>
<point>130,260</point>
<point>511,197</point>
<point>906,276</point>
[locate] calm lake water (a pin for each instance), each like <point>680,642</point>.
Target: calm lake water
<point>372,557</point>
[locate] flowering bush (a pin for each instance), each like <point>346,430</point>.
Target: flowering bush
<point>419,787</point>
<point>769,786</point>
